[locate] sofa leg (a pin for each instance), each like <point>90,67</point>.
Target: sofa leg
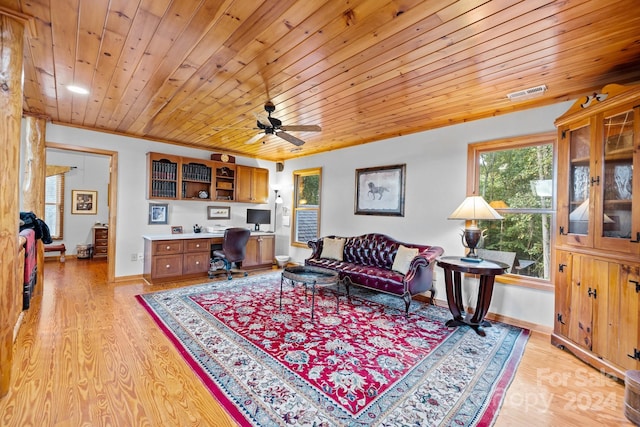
<point>346,281</point>
<point>432,296</point>
<point>407,303</point>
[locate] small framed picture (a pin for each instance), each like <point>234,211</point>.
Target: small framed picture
<point>158,213</point>
<point>84,202</point>
<point>176,229</point>
<point>218,212</point>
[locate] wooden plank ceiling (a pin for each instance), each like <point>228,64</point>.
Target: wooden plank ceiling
<point>195,73</point>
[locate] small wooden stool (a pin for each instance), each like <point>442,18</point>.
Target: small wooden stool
<point>56,248</point>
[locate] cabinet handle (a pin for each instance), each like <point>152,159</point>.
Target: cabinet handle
<point>168,266</point>
<point>561,268</point>
<point>637,238</point>
<point>559,319</point>
<point>595,180</point>
<point>562,232</point>
<point>635,282</point>
<point>592,293</point>
<point>197,262</point>
<point>168,247</point>
<point>635,355</point>
<point>198,245</point>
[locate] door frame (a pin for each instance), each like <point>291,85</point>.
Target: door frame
<point>112,197</point>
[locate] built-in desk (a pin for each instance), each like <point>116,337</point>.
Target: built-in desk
<point>177,256</point>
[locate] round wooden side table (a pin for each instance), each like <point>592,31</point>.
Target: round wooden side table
<point>487,270</point>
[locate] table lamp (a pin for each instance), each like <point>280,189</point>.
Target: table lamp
<point>471,210</point>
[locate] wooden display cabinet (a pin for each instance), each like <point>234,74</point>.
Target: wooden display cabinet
<point>252,184</point>
<point>164,176</point>
<point>598,230</point>
<point>182,178</point>
<point>225,182</point>
<point>196,180</point>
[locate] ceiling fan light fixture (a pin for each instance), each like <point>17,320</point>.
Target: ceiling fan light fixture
<point>273,126</point>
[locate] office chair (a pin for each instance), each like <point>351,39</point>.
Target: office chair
<point>234,247</point>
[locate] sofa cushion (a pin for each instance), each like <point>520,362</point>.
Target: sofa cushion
<point>333,248</point>
<point>403,259</point>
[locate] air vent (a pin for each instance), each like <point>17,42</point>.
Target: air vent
<point>527,93</point>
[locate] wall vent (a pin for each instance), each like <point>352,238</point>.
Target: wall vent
<point>526,93</point>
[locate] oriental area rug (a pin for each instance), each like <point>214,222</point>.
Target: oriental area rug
<point>367,365</point>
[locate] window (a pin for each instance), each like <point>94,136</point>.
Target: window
<point>306,206</point>
<point>54,205</point>
<point>516,177</point>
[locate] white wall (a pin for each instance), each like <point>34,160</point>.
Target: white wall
<point>90,172</point>
<point>132,204</point>
<point>435,185</point>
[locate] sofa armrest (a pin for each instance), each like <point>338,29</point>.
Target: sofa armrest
<point>420,275</point>
<point>316,248</point>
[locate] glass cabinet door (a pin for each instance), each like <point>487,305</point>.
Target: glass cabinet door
<point>579,181</point>
<point>615,225</point>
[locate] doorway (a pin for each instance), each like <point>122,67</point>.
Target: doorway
<point>78,226</point>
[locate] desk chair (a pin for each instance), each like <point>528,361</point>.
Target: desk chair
<point>234,246</point>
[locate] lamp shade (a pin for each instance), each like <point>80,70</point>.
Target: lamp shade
<point>474,208</point>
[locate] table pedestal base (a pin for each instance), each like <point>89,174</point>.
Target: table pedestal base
<point>452,323</point>
<point>454,267</point>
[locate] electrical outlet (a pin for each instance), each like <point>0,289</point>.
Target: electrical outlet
<point>134,257</point>
<point>140,256</point>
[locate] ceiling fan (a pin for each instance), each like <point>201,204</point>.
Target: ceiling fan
<point>273,126</point>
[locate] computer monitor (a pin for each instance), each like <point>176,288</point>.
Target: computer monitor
<point>258,216</point>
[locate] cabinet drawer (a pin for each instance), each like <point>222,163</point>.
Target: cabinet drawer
<point>167,247</point>
<point>195,263</point>
<point>167,266</point>
<point>99,250</point>
<point>100,242</point>
<point>197,245</point>
<point>101,233</point>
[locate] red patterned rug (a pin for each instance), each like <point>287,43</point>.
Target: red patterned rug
<point>367,365</point>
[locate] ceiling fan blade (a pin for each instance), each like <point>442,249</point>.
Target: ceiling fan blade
<point>290,138</point>
<point>302,128</point>
<point>263,119</point>
<point>255,138</point>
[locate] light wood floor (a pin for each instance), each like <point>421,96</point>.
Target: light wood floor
<point>87,354</point>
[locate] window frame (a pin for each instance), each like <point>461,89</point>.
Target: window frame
<point>474,151</point>
<point>59,206</point>
<point>296,178</point>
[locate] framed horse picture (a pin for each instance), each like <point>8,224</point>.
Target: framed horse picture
<point>380,190</point>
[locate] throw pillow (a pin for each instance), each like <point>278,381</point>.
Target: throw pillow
<point>403,259</point>
<point>332,248</point>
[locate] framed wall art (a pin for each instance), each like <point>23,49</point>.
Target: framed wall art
<point>218,212</point>
<point>158,213</point>
<point>176,229</point>
<point>84,202</point>
<point>380,190</point>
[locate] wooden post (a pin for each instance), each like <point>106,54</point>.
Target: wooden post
<point>33,184</point>
<point>11,50</point>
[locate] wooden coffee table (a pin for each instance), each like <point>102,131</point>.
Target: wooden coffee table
<point>310,276</point>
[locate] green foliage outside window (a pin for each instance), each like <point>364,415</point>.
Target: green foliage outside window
<point>518,183</point>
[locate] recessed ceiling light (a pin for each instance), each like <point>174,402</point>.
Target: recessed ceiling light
<point>78,89</point>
